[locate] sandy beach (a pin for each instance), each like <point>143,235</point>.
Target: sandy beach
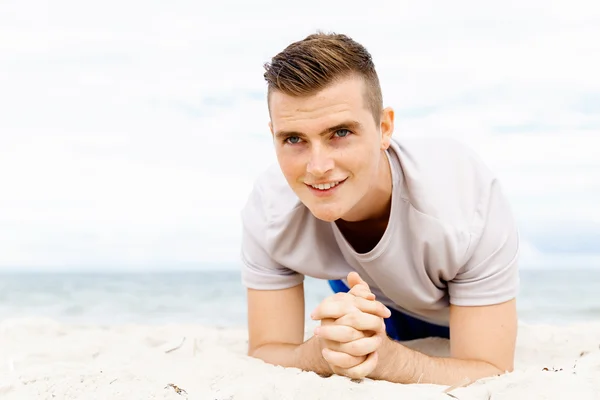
<point>43,359</point>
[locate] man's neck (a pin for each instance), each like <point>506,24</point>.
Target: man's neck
<point>365,233</point>
<point>375,206</point>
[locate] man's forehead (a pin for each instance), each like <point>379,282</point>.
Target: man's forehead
<point>349,91</point>
<point>314,119</point>
<point>316,110</point>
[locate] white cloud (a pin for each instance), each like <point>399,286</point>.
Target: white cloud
<point>131,131</point>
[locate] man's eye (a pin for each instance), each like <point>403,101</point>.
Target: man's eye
<point>293,140</point>
<point>342,132</point>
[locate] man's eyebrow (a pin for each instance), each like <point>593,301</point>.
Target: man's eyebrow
<point>350,125</point>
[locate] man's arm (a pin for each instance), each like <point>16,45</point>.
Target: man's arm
<point>482,341</point>
<point>483,321</point>
<point>276,330</point>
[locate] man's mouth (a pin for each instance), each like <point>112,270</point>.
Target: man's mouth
<point>326,186</point>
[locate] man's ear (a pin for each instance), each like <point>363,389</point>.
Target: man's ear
<point>387,127</point>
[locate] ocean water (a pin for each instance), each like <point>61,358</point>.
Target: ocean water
<point>217,298</point>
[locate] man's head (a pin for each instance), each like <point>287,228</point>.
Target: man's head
<point>329,125</point>
<point>312,64</point>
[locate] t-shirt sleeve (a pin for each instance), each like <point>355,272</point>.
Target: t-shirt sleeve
<point>259,270</point>
<point>490,274</point>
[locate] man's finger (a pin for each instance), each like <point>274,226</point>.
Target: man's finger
<point>337,309</point>
<point>338,333</point>
<point>362,321</point>
<point>363,291</point>
<point>372,307</point>
<point>359,347</point>
<point>342,360</point>
<point>333,308</point>
<point>359,371</point>
<point>354,278</point>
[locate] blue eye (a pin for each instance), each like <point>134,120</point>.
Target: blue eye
<point>342,132</point>
<point>293,140</point>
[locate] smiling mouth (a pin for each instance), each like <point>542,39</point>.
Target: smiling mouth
<point>325,187</point>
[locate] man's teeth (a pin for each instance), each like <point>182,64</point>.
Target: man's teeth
<point>325,186</point>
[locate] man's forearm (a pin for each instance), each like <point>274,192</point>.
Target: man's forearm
<point>306,356</point>
<point>400,364</point>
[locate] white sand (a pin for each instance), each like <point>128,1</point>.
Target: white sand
<point>47,360</point>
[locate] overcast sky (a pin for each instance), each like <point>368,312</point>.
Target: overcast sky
<point>131,131</point>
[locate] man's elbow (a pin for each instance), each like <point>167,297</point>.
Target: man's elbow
<point>265,351</point>
<point>508,368</point>
<point>253,350</point>
<point>487,368</point>
<point>501,368</point>
<point>505,365</point>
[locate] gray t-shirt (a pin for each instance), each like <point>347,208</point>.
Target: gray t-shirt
<point>451,237</point>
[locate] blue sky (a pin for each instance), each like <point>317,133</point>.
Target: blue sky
<point>130,131</point>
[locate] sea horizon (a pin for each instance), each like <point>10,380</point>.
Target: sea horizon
<point>218,297</point>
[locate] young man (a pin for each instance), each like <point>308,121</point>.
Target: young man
<point>414,235</point>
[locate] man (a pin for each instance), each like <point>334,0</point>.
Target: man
<point>414,235</point>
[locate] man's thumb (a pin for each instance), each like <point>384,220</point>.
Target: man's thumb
<point>354,279</point>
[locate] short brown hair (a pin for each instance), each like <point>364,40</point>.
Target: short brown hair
<point>309,65</point>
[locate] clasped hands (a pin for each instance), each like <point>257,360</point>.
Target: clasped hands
<point>352,329</point>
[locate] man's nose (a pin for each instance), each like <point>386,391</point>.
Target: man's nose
<point>320,161</point>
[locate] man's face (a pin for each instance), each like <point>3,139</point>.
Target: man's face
<point>329,147</point>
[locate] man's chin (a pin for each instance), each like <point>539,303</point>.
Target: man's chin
<point>326,214</point>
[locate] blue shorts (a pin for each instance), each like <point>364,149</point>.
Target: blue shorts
<point>400,326</point>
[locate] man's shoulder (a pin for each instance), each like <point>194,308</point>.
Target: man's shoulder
<point>438,155</point>
<point>444,178</point>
